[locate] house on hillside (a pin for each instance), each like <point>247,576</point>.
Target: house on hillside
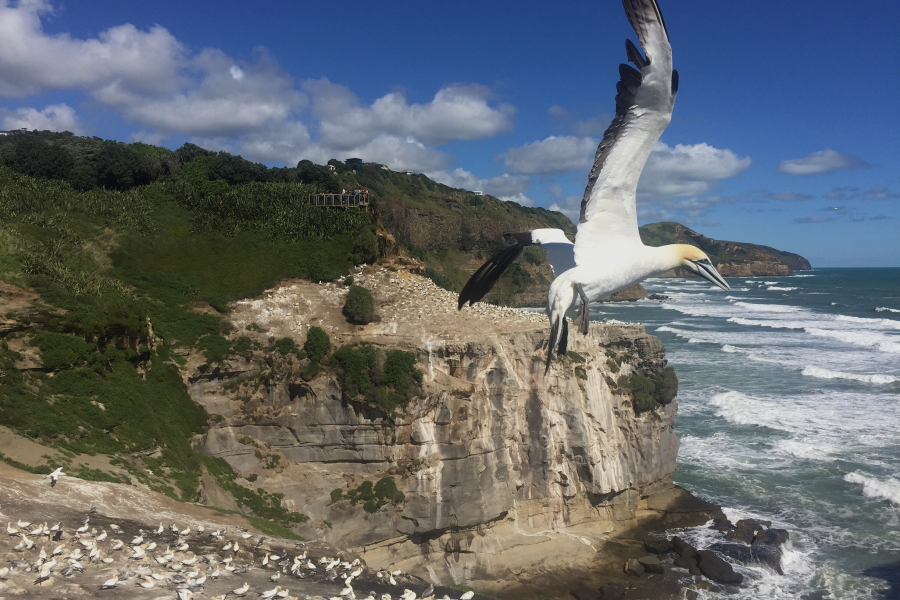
<point>14,131</point>
<point>356,162</point>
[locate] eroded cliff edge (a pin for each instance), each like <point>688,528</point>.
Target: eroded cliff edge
<point>512,480</point>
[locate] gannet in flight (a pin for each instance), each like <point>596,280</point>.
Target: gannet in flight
<point>608,254</point>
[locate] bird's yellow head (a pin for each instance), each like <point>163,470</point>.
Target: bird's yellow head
<point>697,262</point>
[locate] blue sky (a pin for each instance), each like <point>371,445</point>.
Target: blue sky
<point>785,130</point>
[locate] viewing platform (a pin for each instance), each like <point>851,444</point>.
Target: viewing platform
<point>349,200</point>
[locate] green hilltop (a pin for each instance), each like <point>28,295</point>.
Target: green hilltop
<point>720,252</point>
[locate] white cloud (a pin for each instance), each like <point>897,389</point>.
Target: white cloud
<point>823,161</point>
<point>31,61</point>
<point>252,107</point>
<point>552,155</point>
<point>56,117</point>
<point>880,193</point>
<point>687,170</point>
<point>457,112</point>
<point>504,187</point>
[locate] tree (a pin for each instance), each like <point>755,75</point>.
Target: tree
<point>119,167</point>
<point>317,344</point>
<point>37,158</point>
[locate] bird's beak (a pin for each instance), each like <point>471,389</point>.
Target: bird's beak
<point>708,272</point>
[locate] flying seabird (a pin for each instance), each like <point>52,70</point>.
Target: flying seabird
<point>608,254</point>
<point>55,475</point>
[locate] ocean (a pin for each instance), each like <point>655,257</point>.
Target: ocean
<point>789,411</point>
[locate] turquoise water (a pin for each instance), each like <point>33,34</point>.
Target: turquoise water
<point>789,411</point>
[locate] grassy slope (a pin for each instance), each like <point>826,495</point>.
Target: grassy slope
<point>106,265</point>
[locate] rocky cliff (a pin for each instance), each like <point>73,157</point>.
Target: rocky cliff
<point>511,480</point>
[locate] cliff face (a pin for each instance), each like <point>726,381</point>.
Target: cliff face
<point>511,478</point>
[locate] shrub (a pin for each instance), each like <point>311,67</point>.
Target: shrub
<point>439,279</point>
<point>215,347</point>
<point>649,392</point>
<point>359,307</point>
<point>287,346</point>
<point>384,379</point>
<point>317,344</point>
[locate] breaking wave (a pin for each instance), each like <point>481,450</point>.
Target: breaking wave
<point>886,309</point>
<point>826,374</point>
<point>874,488</point>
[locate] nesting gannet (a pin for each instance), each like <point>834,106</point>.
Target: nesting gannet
<point>241,590</point>
<point>110,583</point>
<point>467,596</point>
<point>4,572</point>
<point>11,530</point>
<point>270,593</point>
<point>608,254</point>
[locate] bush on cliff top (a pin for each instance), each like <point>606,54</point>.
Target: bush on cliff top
<point>359,307</point>
<point>317,344</point>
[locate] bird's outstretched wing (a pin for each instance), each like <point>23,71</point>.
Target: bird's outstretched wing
<point>554,241</point>
<point>644,101</point>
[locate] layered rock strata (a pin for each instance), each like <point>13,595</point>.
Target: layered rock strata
<point>513,479</point>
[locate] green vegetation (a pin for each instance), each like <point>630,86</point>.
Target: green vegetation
<point>317,344</point>
<point>652,390</point>
<point>258,502</point>
<point>386,380</point>
<point>287,345</point>
<point>372,496</point>
<point>359,306</point>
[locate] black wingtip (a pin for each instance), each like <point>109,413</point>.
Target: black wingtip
<point>674,81</point>
<point>487,274</point>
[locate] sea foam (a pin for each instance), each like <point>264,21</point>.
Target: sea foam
<point>886,309</point>
<point>811,371</point>
<point>874,488</point>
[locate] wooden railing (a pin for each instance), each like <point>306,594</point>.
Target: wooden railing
<point>348,200</point>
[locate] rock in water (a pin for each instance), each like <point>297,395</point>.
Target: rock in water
<point>682,547</point>
<point>716,569</point>
<point>651,564</point>
<point>772,537</point>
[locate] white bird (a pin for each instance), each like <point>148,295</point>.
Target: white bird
<point>151,546</point>
<point>83,528</point>
<point>184,594</point>
<point>467,596</point>
<point>160,529</point>
<point>608,254</point>
<point>283,593</point>
<point>55,475</point>
<point>23,524</point>
<point>102,536</point>
<point>391,580</point>
<point>147,584</point>
<point>215,574</point>
<point>200,581</point>
<point>265,560</point>
<point>4,572</point>
<point>200,529</point>
<point>234,548</point>
<point>137,541</point>
<point>270,593</point>
<point>226,547</point>
<point>241,590</point>
<point>110,583</point>
<point>348,592</point>
<point>246,536</point>
<point>28,543</point>
<point>118,545</point>
<point>58,550</point>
